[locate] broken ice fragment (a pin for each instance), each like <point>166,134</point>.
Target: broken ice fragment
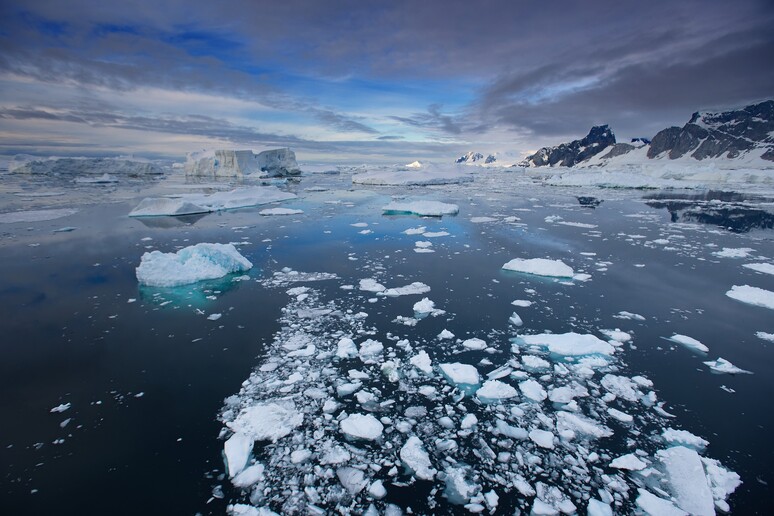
<point>362,426</point>
<point>422,362</point>
<point>267,421</point>
<point>570,344</point>
<point>352,479</point>
<point>540,267</point>
<point>721,365</point>
<point>415,457</point>
<point>689,342</point>
<point>423,208</point>
<point>533,390</point>
<point>494,390</point>
<point>464,376</point>
<point>237,449</point>
<point>687,481</point>
<point>629,461</point>
<point>61,408</point>
<point>191,264</point>
<point>542,438</point>
<point>752,295</point>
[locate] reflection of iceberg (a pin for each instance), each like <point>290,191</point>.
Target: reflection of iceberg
<point>171,222</point>
<point>195,294</point>
<point>729,210</point>
<point>206,203</point>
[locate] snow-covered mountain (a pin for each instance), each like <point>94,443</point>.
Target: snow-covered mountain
<point>744,136</point>
<point>476,158</point>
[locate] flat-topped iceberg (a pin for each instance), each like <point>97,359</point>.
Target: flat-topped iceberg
<point>194,263</point>
<point>206,203</point>
<point>422,208</point>
<point>540,267</point>
<point>416,174</point>
<point>752,295</point>
<point>78,167</point>
<point>240,163</point>
<point>570,344</point>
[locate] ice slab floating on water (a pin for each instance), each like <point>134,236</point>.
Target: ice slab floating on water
<point>721,365</point>
<point>267,421</point>
<point>422,208</point>
<point>423,174</point>
<point>687,480</point>
<point>689,342</point>
<point>362,426</point>
<point>460,374</point>
<point>194,263</point>
<point>540,267</point>
<point>237,449</point>
<point>36,215</point>
<point>570,344</point>
<point>280,211</point>
<point>494,391</point>
<point>656,506</point>
<point>206,203</point>
<point>415,457</point>
<point>765,268</point>
<point>752,295</point>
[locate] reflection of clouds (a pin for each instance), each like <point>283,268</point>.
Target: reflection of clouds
<point>171,222</point>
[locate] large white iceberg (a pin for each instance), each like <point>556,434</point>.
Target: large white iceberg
<point>76,167</point>
<point>240,163</point>
<point>194,263</point>
<point>206,203</point>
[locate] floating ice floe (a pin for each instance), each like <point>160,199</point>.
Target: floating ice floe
<point>422,208</point>
<point>237,449</point>
<point>36,215</point>
<point>415,457</point>
<point>464,376</point>
<point>362,426</point>
<point>206,203</point>
<point>280,211</point>
<point>730,252</point>
<point>721,365</point>
<point>494,390</point>
<point>194,263</point>
<point>629,462</point>
<point>752,295</point>
<point>689,342</point>
<point>684,438</point>
<point>540,267</point>
<point>766,268</point>
<point>61,408</point>
<point>569,344</point>
<point>687,481</point>
<point>413,289</point>
<point>423,174</point>
<point>267,421</point>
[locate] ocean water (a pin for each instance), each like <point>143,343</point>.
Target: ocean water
<point>146,372</point>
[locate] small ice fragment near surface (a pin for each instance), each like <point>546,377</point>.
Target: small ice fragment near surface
<point>598,508</point>
<point>534,363</point>
<point>731,252</point>
<point>469,421</point>
<point>629,461</point>
<point>191,264</point>
<point>533,390</point>
<point>65,229</point>
<point>684,438</point>
<point>480,220</point>
<point>621,387</point>
<point>575,423</point>
<point>542,438</point>
<point>495,390</point>
<point>423,244</point>
<point>687,481</point>
<point>425,306</point>
<point>623,417</point>
<point>376,490</point>
<point>460,374</point>
<point>237,449</point>
<point>629,315</point>
<point>435,234</point>
<point>521,303</point>
<point>722,482</point>
<point>474,344</point>
<point>765,336</point>
<point>752,295</point>
<point>446,334</point>
<point>352,479</point>
<point>204,203</point>
<point>249,476</point>
<point>515,319</point>
<point>415,231</point>
<point>371,285</point>
<point>416,458</point>
<point>412,289</point>
<point>35,215</point>
<point>280,211</point>
<point>570,344</point>
<point>369,350</point>
<point>766,268</point>
<point>721,365</point>
<point>540,267</point>
<point>214,317</point>
<point>267,421</point>
<point>299,456</point>
<point>423,208</point>
<point>689,342</point>
<point>458,489</point>
<point>359,225</point>
<point>566,393</point>
<point>61,408</point>
<point>656,506</point>
<point>422,362</point>
<point>241,509</point>
<point>617,335</point>
<point>362,426</point>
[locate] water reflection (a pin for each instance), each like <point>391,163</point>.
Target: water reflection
<point>736,212</point>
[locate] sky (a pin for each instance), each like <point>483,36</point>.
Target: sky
<point>368,81</point>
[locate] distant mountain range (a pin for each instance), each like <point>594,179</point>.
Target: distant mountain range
<point>476,157</point>
<point>744,133</point>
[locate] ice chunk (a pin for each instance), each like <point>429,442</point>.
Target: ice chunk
<point>621,386</point>
<point>280,211</point>
<point>721,365</point>
<point>346,348</point>
<point>576,423</point>
<point>523,303</point>
<point>570,344</point>
<point>424,208</point>
<point>515,319</point>
<point>684,438</point>
<point>474,344</point>
<point>752,295</point>
<point>540,267</point>
<point>617,335</point>
<point>656,506</point>
<point>566,394</point>
<point>205,203</point>
<point>237,449</point>
<point>376,490</point>
<point>533,363</point>
<point>415,457</point>
<point>630,462</point>
<point>371,285</point>
<point>267,421</point>
<point>765,336</point>
<point>766,268</point>
<point>249,476</point>
<point>598,508</point>
<point>299,456</point>
<point>689,342</point>
<point>687,481</point>
<point>352,479</point>
<point>458,488</point>
<point>731,252</point>
<point>445,335</point>
<point>533,390</point>
<point>469,421</point>
<point>412,289</point>
<point>425,306</point>
<point>35,215</point>
<point>420,175</point>
<point>542,438</point>
<point>362,426</point>
<point>460,374</point>
<point>722,482</point>
<point>494,391</point>
<point>370,350</point>
<point>623,417</point>
<point>191,264</point>
<point>422,362</point>
<point>61,408</point>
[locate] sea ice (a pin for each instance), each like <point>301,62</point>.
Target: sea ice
<point>533,390</point>
<point>721,365</point>
<point>689,342</point>
<point>655,506</point>
<point>730,252</point>
<point>540,267</point>
<point>425,306</point>
<point>687,481</point>
<point>352,479</point>
<point>752,295</point>
<point>362,426</point>
<point>598,508</point>
<point>267,421</point>
<point>423,208</point>
<point>206,203</point>
<point>194,263</point>
<point>249,476</point>
<point>61,408</point>
<point>630,462</point>
<point>570,344</point>
<point>371,285</point>
<point>523,303</point>
<point>422,362</point>
<point>460,374</point>
<point>494,391</point>
<point>36,215</point>
<point>684,438</point>
<point>237,449</point>
<point>280,211</point>
<point>515,319</point>
<point>415,457</point>
<point>415,288</point>
<point>474,344</point>
<point>766,268</point>
<point>542,438</point>
<point>446,335</point>
<point>414,175</point>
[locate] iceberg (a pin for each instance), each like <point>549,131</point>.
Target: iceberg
<point>76,167</point>
<point>494,391</point>
<point>362,426</point>
<point>721,365</point>
<point>422,208</point>
<point>207,203</point>
<point>194,263</point>
<point>689,342</point>
<point>240,163</point>
<point>570,344</point>
<point>687,481</point>
<point>415,457</point>
<point>540,267</point>
<point>752,295</point>
<point>267,421</point>
<point>461,375</point>
<point>414,174</point>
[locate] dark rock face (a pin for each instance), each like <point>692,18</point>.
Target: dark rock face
<point>711,135</point>
<point>470,157</point>
<point>568,154</point>
<point>490,159</point>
